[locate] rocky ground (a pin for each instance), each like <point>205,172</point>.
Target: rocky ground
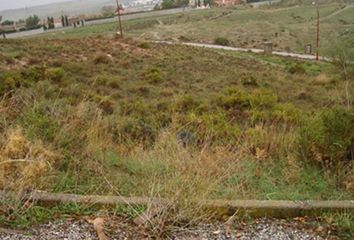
<point>119,229</point>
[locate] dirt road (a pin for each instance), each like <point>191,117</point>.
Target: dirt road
<point>253,50</point>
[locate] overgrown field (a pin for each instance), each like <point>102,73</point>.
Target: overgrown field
<point>289,28</point>
<point>103,116</point>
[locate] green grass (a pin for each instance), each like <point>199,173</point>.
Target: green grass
<point>24,218</point>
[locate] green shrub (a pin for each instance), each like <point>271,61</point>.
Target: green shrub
<point>286,112</point>
<point>34,74</point>
<point>114,84</point>
<point>262,98</point>
<point>39,125</point>
<point>144,45</point>
<point>222,41</point>
<point>183,38</point>
<point>133,107</point>
<point>105,103</point>
<point>153,75</point>
<point>297,68</point>
<point>214,127</point>
<point>259,115</point>
<point>101,81</point>
<point>233,98</point>
<point>186,103</point>
<point>249,81</point>
<point>10,81</point>
<point>135,130</point>
<point>56,75</point>
<point>7,84</point>
<point>238,99</point>
<point>328,139</point>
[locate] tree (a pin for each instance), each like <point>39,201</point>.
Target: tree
<point>32,22</point>
<point>66,21</point>
<point>166,4</point>
<point>51,24</point>
<point>7,22</point>
<point>108,11</point>
<point>157,7</point>
<point>210,2</point>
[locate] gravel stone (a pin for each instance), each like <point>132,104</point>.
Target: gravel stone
<point>260,229</point>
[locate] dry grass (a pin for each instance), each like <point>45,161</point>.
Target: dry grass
<point>23,164</point>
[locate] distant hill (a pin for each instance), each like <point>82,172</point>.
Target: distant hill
<point>72,7</point>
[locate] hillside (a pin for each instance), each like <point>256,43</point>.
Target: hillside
<point>131,99</point>
<point>85,112</point>
<point>289,28</point>
<point>73,7</point>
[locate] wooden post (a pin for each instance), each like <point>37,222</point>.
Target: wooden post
<point>119,20</point>
<point>318,34</point>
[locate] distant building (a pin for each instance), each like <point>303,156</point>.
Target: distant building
<point>198,4</point>
<point>58,23</point>
<point>19,26</point>
<point>76,21</point>
<point>227,3</point>
<point>224,3</point>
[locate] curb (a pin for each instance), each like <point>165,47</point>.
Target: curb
<point>256,208</point>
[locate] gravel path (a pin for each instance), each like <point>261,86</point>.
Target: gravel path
<point>118,229</point>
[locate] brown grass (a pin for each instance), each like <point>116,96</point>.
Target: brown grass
<point>23,164</point>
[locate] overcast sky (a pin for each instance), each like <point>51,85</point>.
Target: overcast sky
<point>11,4</point>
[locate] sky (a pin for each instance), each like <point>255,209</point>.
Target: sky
<point>12,4</point>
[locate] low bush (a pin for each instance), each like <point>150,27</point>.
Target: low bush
<point>135,130</point>
<point>56,75</point>
<point>183,38</point>
<point>153,76</point>
<point>213,129</point>
<point>286,112</point>
<point>222,41</point>
<point>144,45</point>
<point>232,99</point>
<point>250,81</point>
<point>34,74</point>
<point>186,103</point>
<point>235,98</point>
<point>297,68</point>
<point>7,84</point>
<point>327,140</point>
<point>105,103</point>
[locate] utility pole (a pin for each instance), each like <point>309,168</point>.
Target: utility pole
<point>318,33</point>
<point>119,20</point>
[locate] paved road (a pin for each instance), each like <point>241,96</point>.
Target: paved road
<point>254,50</point>
<point>102,21</point>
